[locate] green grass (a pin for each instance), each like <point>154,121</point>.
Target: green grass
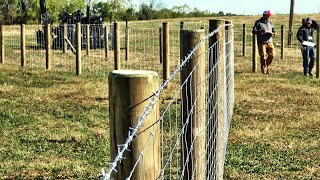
<point>52,125</point>
<point>275,132</point>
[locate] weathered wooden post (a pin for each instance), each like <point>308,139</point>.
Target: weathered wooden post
<point>160,45</point>
<point>129,93</point>
<point>166,51</point>
<point>65,36</point>
<point>88,39</point>
<point>116,34</point>
<point>127,41</point>
<point>23,45</point>
<point>1,45</point>
<point>318,52</point>
<point>48,45</point>
<point>193,101</point>
<point>290,33</point>
<point>282,42</point>
<point>181,25</point>
<point>244,37</point>
<point>78,49</point>
<point>230,70</point>
<point>106,46</point>
<point>254,52</point>
<point>217,88</point>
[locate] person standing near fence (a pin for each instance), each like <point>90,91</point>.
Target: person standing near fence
<point>305,37</point>
<point>264,30</point>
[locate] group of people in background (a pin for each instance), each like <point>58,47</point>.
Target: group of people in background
<point>265,30</point>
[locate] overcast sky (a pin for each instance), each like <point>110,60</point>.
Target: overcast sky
<point>247,7</point>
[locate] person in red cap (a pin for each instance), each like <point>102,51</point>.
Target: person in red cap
<point>264,30</point>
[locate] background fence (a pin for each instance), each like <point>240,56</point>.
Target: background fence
<point>138,41</point>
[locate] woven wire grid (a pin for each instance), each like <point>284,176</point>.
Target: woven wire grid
<point>174,131</point>
<point>143,48</point>
<point>12,41</point>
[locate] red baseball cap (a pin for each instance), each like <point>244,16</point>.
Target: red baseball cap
<point>267,12</point>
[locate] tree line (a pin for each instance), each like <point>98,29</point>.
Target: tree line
<point>28,11</point>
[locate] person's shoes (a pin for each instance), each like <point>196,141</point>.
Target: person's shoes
<point>311,74</point>
<point>264,70</point>
<point>305,74</point>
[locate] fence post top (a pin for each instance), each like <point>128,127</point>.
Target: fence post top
<point>132,73</point>
<point>222,20</point>
<point>192,31</point>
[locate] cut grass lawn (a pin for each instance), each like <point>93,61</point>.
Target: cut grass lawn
<point>54,125</point>
<point>275,131</point>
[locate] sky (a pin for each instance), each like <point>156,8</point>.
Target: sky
<point>245,7</point>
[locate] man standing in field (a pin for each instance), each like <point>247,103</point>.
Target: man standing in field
<point>305,37</point>
<point>264,30</point>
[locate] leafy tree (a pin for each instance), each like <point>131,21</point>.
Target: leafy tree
<point>9,11</point>
<point>103,8</point>
<point>147,11</point>
<point>129,14</point>
<point>164,14</point>
<point>181,11</point>
<point>33,12</point>
<point>115,9</point>
<point>74,5</point>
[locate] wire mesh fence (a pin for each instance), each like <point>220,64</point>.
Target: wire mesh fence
<point>144,52</point>
<point>140,46</point>
<point>193,117</point>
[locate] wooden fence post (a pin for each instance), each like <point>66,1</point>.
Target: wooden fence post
<point>1,45</point>
<point>23,45</point>
<point>230,70</point>
<point>127,41</point>
<point>88,39</point>
<point>106,46</point>
<point>65,36</point>
<point>129,93</point>
<point>48,45</point>
<point>290,33</point>
<point>318,52</point>
<point>160,45</point>
<point>78,49</point>
<point>181,25</point>
<point>193,99</point>
<point>116,38</point>
<point>254,53</point>
<point>166,50</point>
<point>217,87</point>
<point>282,42</point>
<point>244,37</point>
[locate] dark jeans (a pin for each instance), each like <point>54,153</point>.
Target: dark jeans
<point>308,52</point>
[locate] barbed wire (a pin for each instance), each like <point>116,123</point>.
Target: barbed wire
<point>133,130</point>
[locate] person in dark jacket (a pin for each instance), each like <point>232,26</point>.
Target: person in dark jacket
<point>264,30</point>
<point>305,37</point>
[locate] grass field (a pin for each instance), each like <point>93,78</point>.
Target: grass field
<point>54,125</point>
